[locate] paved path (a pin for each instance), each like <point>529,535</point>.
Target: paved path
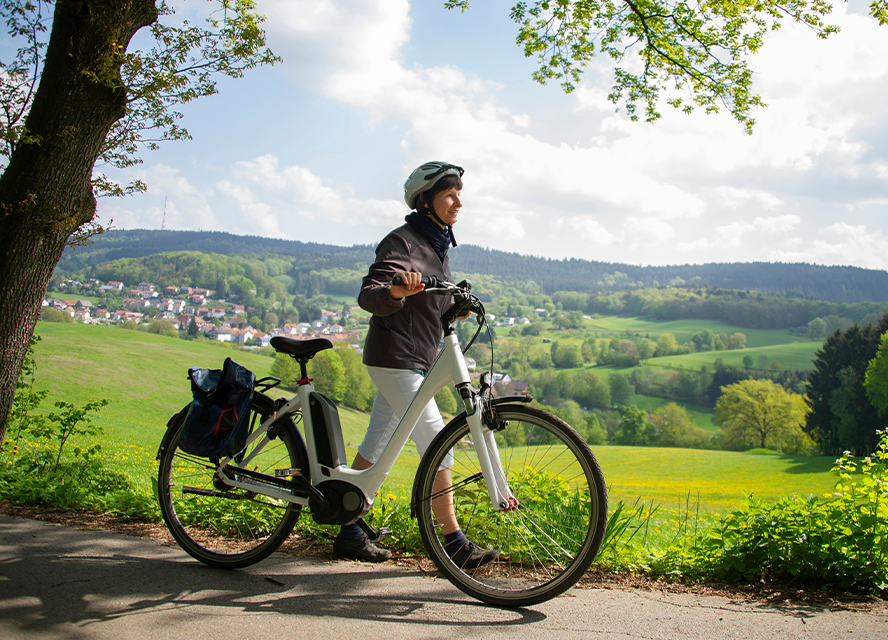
<point>60,582</point>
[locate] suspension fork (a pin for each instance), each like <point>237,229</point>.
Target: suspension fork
<point>484,441</point>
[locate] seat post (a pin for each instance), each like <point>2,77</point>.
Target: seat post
<point>303,368</point>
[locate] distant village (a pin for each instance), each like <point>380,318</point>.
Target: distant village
<point>219,320</point>
<point>224,321</point>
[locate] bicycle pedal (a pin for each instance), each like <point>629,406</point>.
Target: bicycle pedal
<point>373,535</point>
<point>381,534</point>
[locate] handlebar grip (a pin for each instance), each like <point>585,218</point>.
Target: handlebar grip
<point>428,281</point>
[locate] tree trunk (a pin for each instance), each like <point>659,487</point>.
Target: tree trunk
<point>45,191</point>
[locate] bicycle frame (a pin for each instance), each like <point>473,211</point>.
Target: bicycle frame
<point>449,366</point>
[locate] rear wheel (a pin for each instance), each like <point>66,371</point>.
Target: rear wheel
<point>220,525</point>
<point>547,542</point>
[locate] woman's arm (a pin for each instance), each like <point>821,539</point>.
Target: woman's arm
<point>378,295</point>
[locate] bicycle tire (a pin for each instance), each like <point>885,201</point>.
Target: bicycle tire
<point>222,526</point>
<point>549,541</point>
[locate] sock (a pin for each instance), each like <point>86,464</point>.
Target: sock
<point>453,542</point>
<point>350,532</point>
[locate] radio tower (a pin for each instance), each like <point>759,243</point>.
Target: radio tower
<point>164,221</point>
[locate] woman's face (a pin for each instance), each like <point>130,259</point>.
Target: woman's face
<point>446,205</point>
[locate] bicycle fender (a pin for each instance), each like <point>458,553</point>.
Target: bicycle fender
<point>461,416</point>
<point>494,401</point>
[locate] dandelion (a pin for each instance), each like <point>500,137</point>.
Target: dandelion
<point>391,496</point>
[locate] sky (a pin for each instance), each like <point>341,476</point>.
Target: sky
<point>317,148</point>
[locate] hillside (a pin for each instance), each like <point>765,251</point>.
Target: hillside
<point>144,378</point>
<point>832,284</point>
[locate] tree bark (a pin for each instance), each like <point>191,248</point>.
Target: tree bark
<point>45,191</point>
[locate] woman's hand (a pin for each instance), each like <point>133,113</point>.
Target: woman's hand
<point>412,285</point>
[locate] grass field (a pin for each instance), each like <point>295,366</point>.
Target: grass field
<point>793,355</point>
<point>683,330</point>
<point>144,377</point>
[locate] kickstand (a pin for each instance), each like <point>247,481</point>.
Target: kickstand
<point>374,535</point>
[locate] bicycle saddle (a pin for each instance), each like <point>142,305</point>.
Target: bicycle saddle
<point>300,348</point>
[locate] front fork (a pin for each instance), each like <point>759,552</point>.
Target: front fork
<point>484,441</point>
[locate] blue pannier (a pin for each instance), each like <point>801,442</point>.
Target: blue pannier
<point>218,420</point>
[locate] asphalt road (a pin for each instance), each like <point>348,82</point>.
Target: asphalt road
<point>61,582</point>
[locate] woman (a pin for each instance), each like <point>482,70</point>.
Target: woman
<point>402,343</point>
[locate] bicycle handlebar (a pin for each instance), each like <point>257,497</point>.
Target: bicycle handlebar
<point>464,300</point>
<point>430,282</point>
<point>433,284</point>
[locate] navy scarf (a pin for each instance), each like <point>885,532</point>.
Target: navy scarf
<point>440,239</point>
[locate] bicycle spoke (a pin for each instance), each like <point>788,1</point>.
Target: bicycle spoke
<point>547,542</point>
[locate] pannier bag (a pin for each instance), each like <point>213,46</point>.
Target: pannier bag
<point>218,420</point>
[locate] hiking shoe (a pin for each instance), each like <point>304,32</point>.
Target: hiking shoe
<point>360,548</point>
<point>471,555</point>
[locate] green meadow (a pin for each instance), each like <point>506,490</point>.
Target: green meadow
<point>791,355</point>
<point>144,378</point>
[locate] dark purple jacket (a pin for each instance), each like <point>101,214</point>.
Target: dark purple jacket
<point>403,334</point>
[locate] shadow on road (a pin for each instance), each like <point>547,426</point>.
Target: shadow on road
<point>51,576</point>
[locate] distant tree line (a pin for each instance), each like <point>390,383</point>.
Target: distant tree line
<point>834,284</point>
<point>755,310</point>
<point>704,387</point>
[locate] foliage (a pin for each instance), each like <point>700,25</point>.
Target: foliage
<point>48,314</point>
<point>676,428</point>
<point>621,390</point>
<point>393,511</point>
<point>817,328</point>
<point>86,482</point>
<point>583,387</point>
<point>533,329</point>
<point>760,413</point>
<point>842,415</point>
<point>95,101</point>
<point>163,327</point>
<point>566,356</point>
<point>635,430</point>
<point>73,421</point>
<point>328,372</point>
<point>696,54</point>
<point>180,67</point>
<point>876,381</point>
<point>446,401</point>
<point>27,399</point>
<point>840,542</point>
<point>359,388</point>
<point>37,469</point>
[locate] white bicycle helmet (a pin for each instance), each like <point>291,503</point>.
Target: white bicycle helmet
<point>425,176</point>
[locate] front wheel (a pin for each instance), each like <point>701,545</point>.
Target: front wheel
<point>547,542</point>
<point>220,525</point>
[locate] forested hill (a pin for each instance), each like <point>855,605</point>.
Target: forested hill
<point>835,284</point>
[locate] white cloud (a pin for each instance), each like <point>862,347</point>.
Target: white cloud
<point>689,188</point>
<point>844,244</point>
<point>587,229</point>
<point>636,171</point>
<point>647,231</point>
<point>289,201</point>
<point>735,197</point>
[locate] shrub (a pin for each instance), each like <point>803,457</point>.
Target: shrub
<point>48,314</point>
<point>47,464</point>
<point>840,542</point>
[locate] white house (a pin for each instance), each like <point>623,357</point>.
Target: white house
<point>222,334</point>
